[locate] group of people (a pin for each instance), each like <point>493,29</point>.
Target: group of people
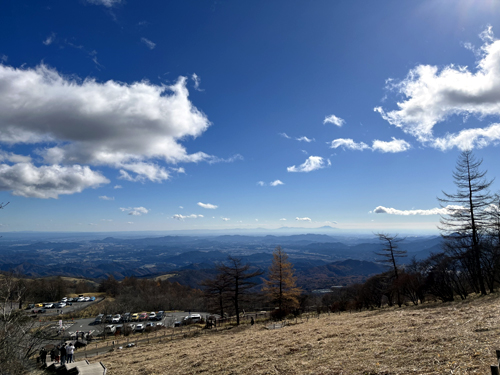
<point>62,353</point>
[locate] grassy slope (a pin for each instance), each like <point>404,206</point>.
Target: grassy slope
<point>456,338</point>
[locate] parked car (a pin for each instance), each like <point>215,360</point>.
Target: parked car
<point>92,298</point>
<point>126,317</point>
<point>160,325</point>
<point>39,305</point>
<point>86,299</point>
<point>98,319</point>
<point>152,315</point>
<point>80,299</point>
<point>64,299</point>
<point>30,306</point>
<point>151,325</point>
<point>139,327</point>
<point>109,318</point>
<point>60,305</point>
<point>193,318</point>
<point>160,315</point>
<point>116,318</point>
<point>177,324</point>
<point>110,329</point>
<point>143,317</point>
<point>49,306</point>
<point>135,317</point>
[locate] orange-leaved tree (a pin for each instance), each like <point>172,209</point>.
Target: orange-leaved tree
<point>281,287</point>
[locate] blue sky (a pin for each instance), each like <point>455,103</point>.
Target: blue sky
<point>150,115</point>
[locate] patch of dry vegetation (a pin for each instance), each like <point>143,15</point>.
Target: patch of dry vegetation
<point>452,338</point>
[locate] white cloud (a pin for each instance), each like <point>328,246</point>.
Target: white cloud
<point>433,95</point>
<point>118,187</point>
<point>3,58</point>
<point>106,3</point>
<point>105,198</point>
<point>181,207</point>
<point>225,219</point>
<point>396,145</point>
<point>282,219</point>
<point>277,183</point>
<point>305,139</point>
<point>261,183</point>
<point>332,119</point>
<point>433,211</point>
<point>312,163</point>
<point>303,219</point>
<point>135,211</point>
<point>49,40</point>
<point>148,43</point>
<point>28,180</point>
<point>182,217</point>
<point>130,222</point>
<point>197,81</point>
<point>207,205</point>
<point>214,159</point>
<point>124,126</point>
<point>284,135</point>
<point>348,143</point>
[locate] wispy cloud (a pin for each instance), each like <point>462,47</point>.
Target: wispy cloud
<point>303,219</point>
<point>207,205</point>
<point>311,164</point>
<point>433,211</point>
<point>135,211</point>
<point>197,81</point>
<point>261,183</point>
<point>225,219</point>
<point>118,187</point>
<point>332,119</point>
<point>304,139</point>
<point>183,217</point>
<point>106,3</point>
<point>148,43</point>
<point>50,39</point>
<point>277,183</point>
<point>105,198</point>
<point>347,143</point>
<point>284,135</point>
<point>394,146</point>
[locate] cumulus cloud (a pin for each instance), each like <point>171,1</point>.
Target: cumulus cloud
<point>28,180</point>
<point>225,218</point>
<point>124,126</point>
<point>261,183</point>
<point>432,95</point>
<point>135,211</point>
<point>347,143</point>
<point>106,3</point>
<point>106,198</point>
<point>118,187</point>
<point>276,183</point>
<point>207,205</point>
<point>148,43</point>
<point>332,119</point>
<point>182,217</point>
<point>303,219</point>
<point>396,145</point>
<point>304,139</point>
<point>433,211</point>
<point>311,164</point>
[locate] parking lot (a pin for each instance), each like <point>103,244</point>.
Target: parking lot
<point>89,326</point>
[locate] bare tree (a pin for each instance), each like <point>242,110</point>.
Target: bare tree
<point>467,219</point>
<point>216,291</point>
<point>389,254</point>
<point>240,281</point>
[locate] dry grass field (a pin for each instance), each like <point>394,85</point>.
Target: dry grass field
<point>451,338</point>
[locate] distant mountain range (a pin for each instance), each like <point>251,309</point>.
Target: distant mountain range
<point>320,260</point>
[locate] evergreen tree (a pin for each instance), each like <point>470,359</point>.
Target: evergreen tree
<point>281,285</point>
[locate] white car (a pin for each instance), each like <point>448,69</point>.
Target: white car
<point>60,305</point>
<point>110,329</point>
<point>152,315</point>
<point>49,306</point>
<point>139,327</point>
<point>116,318</point>
<point>65,299</point>
<point>80,299</point>
<point>87,299</point>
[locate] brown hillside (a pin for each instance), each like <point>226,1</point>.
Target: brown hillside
<point>457,338</point>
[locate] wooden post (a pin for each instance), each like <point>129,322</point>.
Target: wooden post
<point>498,356</point>
<point>494,370</point>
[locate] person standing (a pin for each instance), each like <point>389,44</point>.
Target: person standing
<point>63,354</point>
<point>43,356</point>
<point>70,349</point>
<point>57,353</point>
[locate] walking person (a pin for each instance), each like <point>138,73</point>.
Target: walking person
<point>70,349</point>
